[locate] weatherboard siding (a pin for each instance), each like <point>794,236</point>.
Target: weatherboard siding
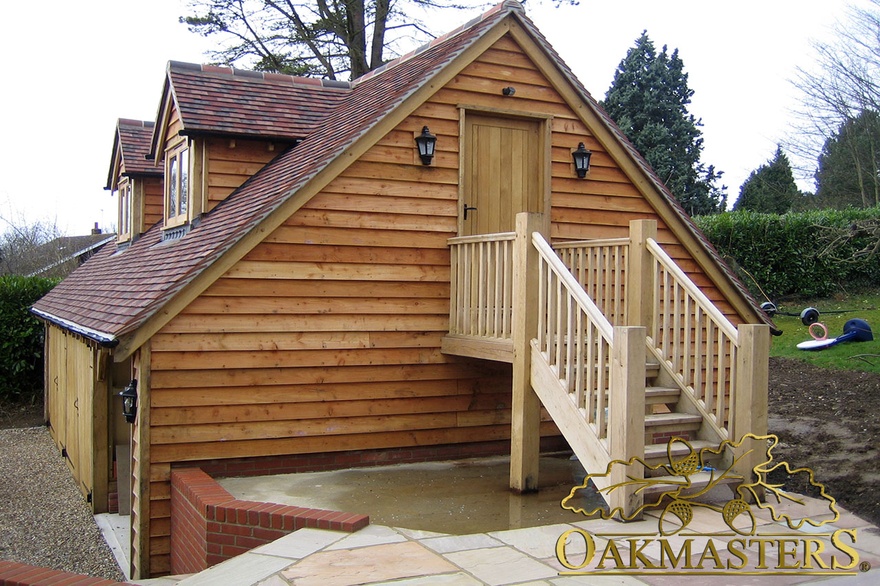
<point>230,162</point>
<point>153,202</point>
<point>326,336</point>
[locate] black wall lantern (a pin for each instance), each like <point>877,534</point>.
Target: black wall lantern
<point>130,401</point>
<point>581,158</point>
<point>426,142</point>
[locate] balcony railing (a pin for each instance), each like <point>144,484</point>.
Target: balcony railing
<point>600,268</point>
<point>481,304</point>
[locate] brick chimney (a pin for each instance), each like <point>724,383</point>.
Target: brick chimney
<point>96,230</point>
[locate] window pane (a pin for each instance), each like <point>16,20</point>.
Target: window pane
<point>184,180</point>
<point>126,204</point>
<point>172,188</point>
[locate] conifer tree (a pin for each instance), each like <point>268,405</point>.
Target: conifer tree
<point>770,188</point>
<point>648,100</point>
<point>848,171</point>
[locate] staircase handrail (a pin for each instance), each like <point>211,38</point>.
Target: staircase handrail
<point>686,283</point>
<point>694,341</point>
<point>575,340</point>
<point>573,288</point>
<point>600,268</point>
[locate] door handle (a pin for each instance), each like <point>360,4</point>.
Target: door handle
<point>468,208</point>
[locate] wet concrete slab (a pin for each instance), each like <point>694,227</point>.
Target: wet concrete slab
<point>458,497</point>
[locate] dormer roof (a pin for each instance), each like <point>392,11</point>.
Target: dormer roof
<point>212,100</point>
<point>131,143</point>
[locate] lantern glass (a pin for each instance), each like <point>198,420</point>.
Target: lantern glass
<point>581,157</point>
<point>129,401</point>
<point>426,142</point>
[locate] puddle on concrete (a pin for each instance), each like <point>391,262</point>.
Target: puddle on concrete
<point>456,497</point>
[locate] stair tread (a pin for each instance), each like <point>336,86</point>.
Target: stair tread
<point>653,451</point>
<point>661,395</point>
<point>698,480</point>
<point>671,419</point>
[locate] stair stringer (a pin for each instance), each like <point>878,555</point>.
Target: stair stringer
<point>592,451</point>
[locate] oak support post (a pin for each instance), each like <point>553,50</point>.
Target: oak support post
<point>525,423</point>
<point>639,277</point>
<point>750,392</point>
<point>626,424</point>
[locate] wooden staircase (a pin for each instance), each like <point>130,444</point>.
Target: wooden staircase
<point>615,391</point>
<point>663,421</point>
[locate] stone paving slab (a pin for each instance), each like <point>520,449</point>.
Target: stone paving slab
<point>521,557</point>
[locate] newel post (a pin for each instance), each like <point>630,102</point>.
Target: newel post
<point>750,393</point>
<point>639,274</point>
<point>525,425</point>
<point>626,424</point>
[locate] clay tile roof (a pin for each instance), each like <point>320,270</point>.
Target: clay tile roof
<point>118,290</point>
<point>223,100</point>
<point>131,143</point>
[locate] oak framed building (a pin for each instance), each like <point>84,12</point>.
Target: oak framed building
<point>296,290</point>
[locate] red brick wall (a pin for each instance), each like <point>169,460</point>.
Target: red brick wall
<point>209,525</point>
<point>269,465</point>
<point>16,574</point>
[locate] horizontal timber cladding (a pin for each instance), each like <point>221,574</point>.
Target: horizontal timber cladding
<point>230,162</point>
<point>154,198</point>
<point>600,206</point>
<point>325,338</point>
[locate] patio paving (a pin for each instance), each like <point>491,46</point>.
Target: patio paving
<point>380,554</point>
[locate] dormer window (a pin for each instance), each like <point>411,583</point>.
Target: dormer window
<point>177,175</point>
<point>125,205</point>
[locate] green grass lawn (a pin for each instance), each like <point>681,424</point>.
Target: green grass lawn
<point>863,356</point>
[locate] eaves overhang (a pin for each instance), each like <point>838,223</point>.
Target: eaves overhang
<point>103,338</point>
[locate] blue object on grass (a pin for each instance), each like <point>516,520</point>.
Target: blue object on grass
<point>855,330</point>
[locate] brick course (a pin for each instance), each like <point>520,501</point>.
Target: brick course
<point>16,574</point>
<point>270,465</point>
<point>209,525</point>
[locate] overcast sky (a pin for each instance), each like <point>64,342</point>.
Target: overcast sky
<point>73,68</point>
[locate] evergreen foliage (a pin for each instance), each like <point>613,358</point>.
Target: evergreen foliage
<point>770,188</point>
<point>648,100</point>
<point>796,254</point>
<point>849,164</point>
<point>21,338</point>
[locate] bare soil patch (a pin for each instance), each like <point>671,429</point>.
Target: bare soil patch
<point>18,416</point>
<point>829,421</point>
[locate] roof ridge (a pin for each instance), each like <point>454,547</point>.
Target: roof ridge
<point>134,122</point>
<point>281,78</point>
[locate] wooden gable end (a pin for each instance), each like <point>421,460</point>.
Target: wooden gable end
<point>325,337</point>
<point>614,192</point>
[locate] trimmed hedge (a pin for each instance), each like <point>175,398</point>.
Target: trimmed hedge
<point>21,346</point>
<point>781,254</point>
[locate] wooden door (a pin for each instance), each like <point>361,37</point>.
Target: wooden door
<point>73,416</point>
<point>504,170</point>
<point>56,382</point>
